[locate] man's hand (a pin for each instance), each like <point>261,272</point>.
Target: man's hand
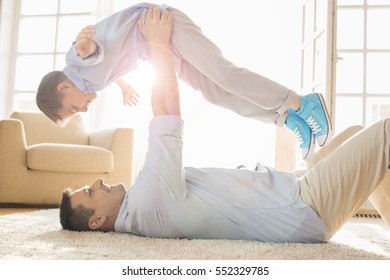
<point>84,44</point>
<point>157,28</point>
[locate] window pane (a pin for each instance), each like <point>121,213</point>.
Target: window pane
<point>321,14</point>
<point>321,87</point>
<point>25,102</point>
<point>320,59</point>
<point>349,111</point>
<point>39,7</point>
<point>350,2</point>
<point>350,28</point>
<point>69,27</point>
<point>377,108</point>
<point>77,6</point>
<point>307,77</point>
<point>378,24</point>
<point>30,69</point>
<point>378,69</point>
<point>378,2</point>
<point>37,34</point>
<point>309,20</point>
<point>60,62</point>
<point>349,74</point>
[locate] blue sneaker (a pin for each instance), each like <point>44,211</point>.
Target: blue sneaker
<point>313,111</point>
<point>303,133</point>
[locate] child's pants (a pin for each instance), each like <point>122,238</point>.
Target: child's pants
<point>202,65</point>
<point>199,63</point>
<point>340,183</point>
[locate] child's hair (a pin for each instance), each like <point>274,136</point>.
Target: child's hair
<point>48,97</point>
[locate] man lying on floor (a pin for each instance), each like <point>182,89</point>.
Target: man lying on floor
<point>168,200</point>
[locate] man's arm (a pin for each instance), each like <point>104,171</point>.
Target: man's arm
<point>157,31</point>
<point>161,181</point>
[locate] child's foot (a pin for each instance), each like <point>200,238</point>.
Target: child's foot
<point>303,133</point>
<point>313,111</point>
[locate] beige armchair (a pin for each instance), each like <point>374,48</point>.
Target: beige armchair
<point>39,159</point>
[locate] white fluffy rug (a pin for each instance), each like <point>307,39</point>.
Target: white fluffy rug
<point>38,236</point>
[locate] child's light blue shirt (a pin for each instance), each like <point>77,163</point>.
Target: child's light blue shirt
<point>119,46</point>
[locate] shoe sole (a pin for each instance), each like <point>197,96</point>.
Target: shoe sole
<point>310,151</point>
<point>330,128</point>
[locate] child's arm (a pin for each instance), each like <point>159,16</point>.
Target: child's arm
<point>84,44</point>
<point>130,96</point>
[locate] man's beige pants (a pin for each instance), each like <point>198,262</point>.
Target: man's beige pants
<point>338,185</point>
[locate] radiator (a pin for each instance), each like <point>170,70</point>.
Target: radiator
<point>367,211</point>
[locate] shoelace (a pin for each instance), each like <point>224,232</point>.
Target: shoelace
<point>297,132</point>
<point>314,125</point>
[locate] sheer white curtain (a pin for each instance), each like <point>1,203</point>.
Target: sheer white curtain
<point>262,36</point>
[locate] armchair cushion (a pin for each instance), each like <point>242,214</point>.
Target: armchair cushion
<point>69,158</point>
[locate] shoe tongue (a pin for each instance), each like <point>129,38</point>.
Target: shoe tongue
<point>305,110</point>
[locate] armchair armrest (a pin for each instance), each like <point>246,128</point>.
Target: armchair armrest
<point>12,144</point>
<point>123,141</point>
<point>120,142</point>
<point>112,139</point>
<point>102,138</point>
<point>122,148</point>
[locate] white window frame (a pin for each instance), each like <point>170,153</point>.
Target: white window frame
<point>9,26</point>
<point>7,39</point>
<point>364,95</point>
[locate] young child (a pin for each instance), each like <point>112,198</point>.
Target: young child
<point>103,53</point>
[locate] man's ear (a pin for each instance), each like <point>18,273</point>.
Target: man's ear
<point>64,85</point>
<point>95,222</point>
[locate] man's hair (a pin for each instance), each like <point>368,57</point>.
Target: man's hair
<point>48,97</point>
<point>75,219</point>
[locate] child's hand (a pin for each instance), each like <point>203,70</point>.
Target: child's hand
<point>130,96</point>
<point>84,44</point>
